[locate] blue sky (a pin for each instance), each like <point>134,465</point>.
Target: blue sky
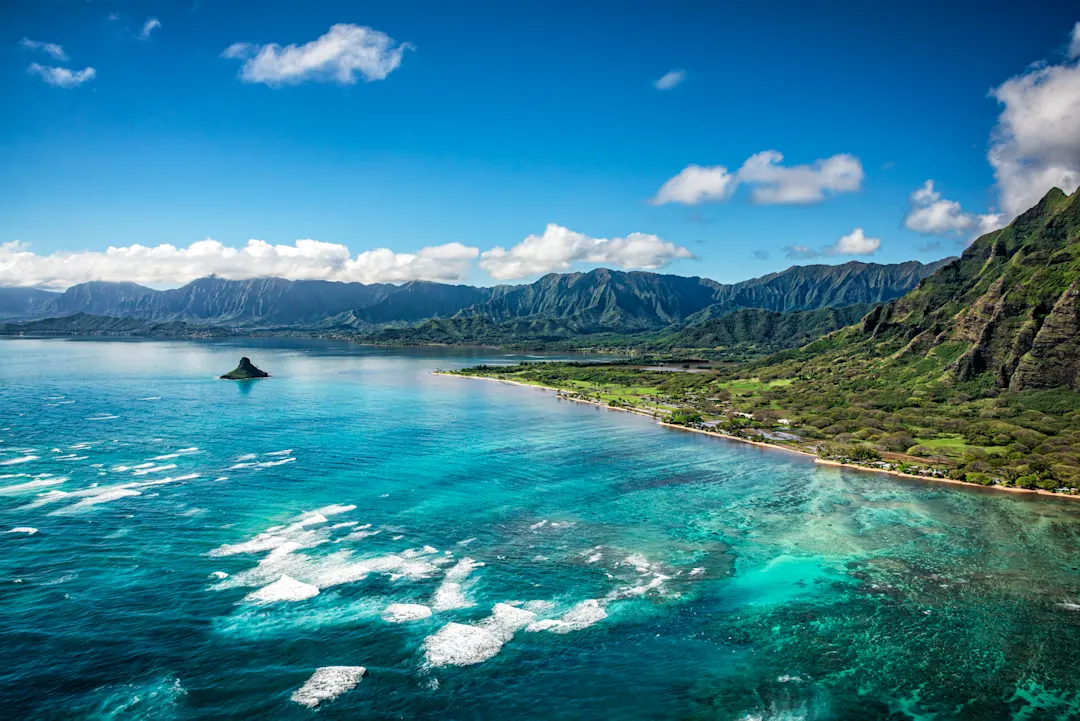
<point>502,118</point>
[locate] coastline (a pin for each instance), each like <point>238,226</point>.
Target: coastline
<point>771,446</point>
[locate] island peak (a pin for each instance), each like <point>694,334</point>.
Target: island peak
<point>245,371</point>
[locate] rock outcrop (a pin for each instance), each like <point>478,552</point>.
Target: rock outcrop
<point>245,371</point>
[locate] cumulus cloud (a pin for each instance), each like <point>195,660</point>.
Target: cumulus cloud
<point>340,55</point>
<point>697,184</point>
<point>670,80</point>
<point>168,266</point>
<point>50,48</point>
<point>854,243</point>
<point>771,182</point>
<point>799,184</point>
<point>1035,145</point>
<point>559,248</point>
<point>930,214</point>
<point>148,27</point>
<point>62,77</point>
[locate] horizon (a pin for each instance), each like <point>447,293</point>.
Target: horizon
<point>159,143</point>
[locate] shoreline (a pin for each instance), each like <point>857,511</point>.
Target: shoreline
<point>770,446</point>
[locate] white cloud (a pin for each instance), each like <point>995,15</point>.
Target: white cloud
<point>930,214</point>
<point>62,77</point>
<point>854,243</point>
<point>559,248</point>
<point>51,48</point>
<point>799,184</point>
<point>338,56</point>
<point>771,182</point>
<point>1035,145</point>
<point>670,80</point>
<point>151,23</point>
<point>168,266</point>
<point>696,184</point>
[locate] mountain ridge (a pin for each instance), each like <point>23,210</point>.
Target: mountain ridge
<point>600,300</point>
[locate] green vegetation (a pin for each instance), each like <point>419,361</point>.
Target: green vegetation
<point>741,335</point>
<point>974,375</point>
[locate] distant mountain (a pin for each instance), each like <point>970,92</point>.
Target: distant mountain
<point>754,330</point>
<point>24,302</point>
<point>746,332</point>
<point>83,324</point>
<point>599,301</point>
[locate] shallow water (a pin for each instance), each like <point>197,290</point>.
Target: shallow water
<point>648,572</point>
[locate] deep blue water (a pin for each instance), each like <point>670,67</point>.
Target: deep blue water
<point>702,578</point>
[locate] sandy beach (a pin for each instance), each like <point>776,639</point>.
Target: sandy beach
<point>770,446</point>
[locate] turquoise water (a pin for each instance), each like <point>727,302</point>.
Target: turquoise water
<point>644,572</point>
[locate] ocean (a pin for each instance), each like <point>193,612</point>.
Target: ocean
<point>177,546</point>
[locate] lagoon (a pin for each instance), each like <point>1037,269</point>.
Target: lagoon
<point>613,567</point>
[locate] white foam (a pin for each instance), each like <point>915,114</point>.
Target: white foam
<point>235,466</point>
<point>285,588</point>
<point>357,536</point>
<point>17,461</point>
<point>219,574</point>
<point>1070,606</point>
<point>327,683</point>
<point>279,453</point>
<point>697,571</point>
<point>594,557</point>
<point>344,524</point>
<point>189,449</point>
<point>154,469</point>
<point>166,457</point>
<point>457,644</point>
<point>149,398</point>
<point>581,616</point>
<point>105,496</point>
<point>640,589</point>
<point>405,612</point>
<point>310,519</point>
<point>103,417</point>
<point>268,464</point>
<point>450,594</point>
<point>467,541</point>
<point>31,485</point>
<point>541,524</point>
<point>258,544</point>
<point>80,446</point>
<point>247,457</point>
<point>334,509</point>
<point>462,569</point>
<point>337,575</point>
<point>44,498</point>
<point>28,530</point>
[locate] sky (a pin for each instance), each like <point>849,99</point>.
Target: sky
<point>493,142</point>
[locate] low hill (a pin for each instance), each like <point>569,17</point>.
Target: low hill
<point>84,324</point>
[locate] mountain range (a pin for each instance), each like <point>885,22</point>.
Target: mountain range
<point>1005,315</point>
<point>599,301</point>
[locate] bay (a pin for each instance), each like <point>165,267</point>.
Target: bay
<point>654,573</point>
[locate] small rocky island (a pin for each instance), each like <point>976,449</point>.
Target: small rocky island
<point>245,371</point>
